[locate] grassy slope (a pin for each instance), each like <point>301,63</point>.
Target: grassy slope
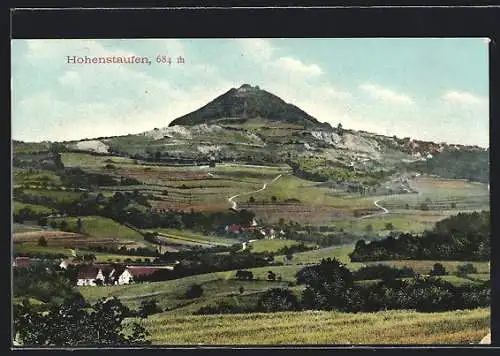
<point>38,209</point>
<point>315,327</point>
<point>98,226</point>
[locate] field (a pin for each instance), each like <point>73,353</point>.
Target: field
<point>447,195</point>
<point>318,327</point>
<point>97,226</point>
<point>38,209</point>
<point>273,245</point>
<point>315,256</point>
<point>60,196</point>
<point>192,238</point>
<point>169,294</point>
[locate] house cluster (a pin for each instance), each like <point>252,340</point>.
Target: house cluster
<point>110,274</point>
<point>266,232</point>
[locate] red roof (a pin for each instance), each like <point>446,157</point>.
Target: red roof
<point>141,271</point>
<point>234,228</point>
<point>22,262</point>
<point>88,272</point>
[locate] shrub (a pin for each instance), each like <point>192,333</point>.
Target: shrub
<point>42,241</point>
<point>466,269</point>
<point>149,307</point>
<point>438,270</point>
<point>194,291</point>
<point>277,299</point>
<point>244,275</point>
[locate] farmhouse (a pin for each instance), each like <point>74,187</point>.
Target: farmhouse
<point>66,263</point>
<point>90,275</point>
<point>93,275</point>
<point>23,262</point>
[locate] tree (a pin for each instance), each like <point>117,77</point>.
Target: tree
<point>274,199</point>
<point>271,276</point>
<point>277,299</point>
<point>251,200</point>
<point>424,206</point>
<point>79,225</point>
<point>242,275</point>
<point>42,241</point>
<point>74,323</point>
<point>149,307</point>
<point>194,291</point>
<point>389,226</point>
<point>340,129</point>
<point>42,221</point>
<point>241,289</point>
<point>63,225</point>
<point>466,269</point>
<point>438,270</point>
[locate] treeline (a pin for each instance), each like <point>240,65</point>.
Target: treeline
<point>331,286</point>
<point>465,236</point>
<point>201,262</point>
<point>76,177</point>
<point>458,164</point>
<point>288,250</point>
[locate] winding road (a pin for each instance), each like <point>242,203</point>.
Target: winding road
<point>383,212</point>
<point>234,205</point>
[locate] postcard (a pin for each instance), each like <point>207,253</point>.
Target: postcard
<point>250,191</point>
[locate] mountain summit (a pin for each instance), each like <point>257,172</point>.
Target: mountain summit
<point>244,104</point>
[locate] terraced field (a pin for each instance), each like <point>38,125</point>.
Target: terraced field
<point>318,327</point>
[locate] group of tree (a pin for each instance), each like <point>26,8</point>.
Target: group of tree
<point>458,164</point>
<point>465,236</point>
<point>75,323</point>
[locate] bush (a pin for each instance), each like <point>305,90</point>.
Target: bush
<point>244,275</point>
<point>466,269</point>
<point>42,241</point>
<point>194,291</point>
<point>149,307</point>
<point>438,270</point>
<point>277,299</point>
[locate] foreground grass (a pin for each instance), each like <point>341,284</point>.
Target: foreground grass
<point>319,327</point>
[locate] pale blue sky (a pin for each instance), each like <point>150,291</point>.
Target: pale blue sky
<point>435,89</point>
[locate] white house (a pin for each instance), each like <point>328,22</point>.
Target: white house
<point>89,275</point>
<point>125,278</point>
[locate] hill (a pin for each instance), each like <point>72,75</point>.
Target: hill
<point>246,103</point>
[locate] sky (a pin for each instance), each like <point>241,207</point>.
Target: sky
<point>424,88</point>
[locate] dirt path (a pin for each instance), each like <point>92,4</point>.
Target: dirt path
<point>383,212</point>
<point>234,205</point>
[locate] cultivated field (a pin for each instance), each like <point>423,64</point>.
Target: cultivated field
<point>318,327</point>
